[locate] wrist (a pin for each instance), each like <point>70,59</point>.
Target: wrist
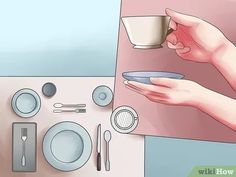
<point>200,96</point>
<point>225,51</point>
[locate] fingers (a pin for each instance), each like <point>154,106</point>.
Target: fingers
<point>147,89</point>
<point>173,25</point>
<point>183,50</point>
<point>182,19</point>
<point>172,38</point>
<point>179,48</point>
<point>164,82</point>
<point>173,43</point>
<point>153,98</point>
<point>159,100</point>
<point>154,93</point>
<point>179,45</point>
<point>135,89</point>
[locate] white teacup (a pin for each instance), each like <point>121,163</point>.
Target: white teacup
<point>147,32</point>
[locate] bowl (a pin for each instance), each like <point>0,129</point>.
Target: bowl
<point>144,76</point>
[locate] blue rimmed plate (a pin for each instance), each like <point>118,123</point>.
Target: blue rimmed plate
<point>144,77</point>
<point>67,146</point>
<point>26,103</point>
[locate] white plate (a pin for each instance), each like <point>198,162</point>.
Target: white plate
<point>67,146</point>
<point>26,103</point>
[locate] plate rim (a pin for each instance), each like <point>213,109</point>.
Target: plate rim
<point>28,91</point>
<point>89,151</point>
<point>125,74</point>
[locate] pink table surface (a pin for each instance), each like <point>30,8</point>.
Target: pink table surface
<point>174,121</point>
<point>126,151</point>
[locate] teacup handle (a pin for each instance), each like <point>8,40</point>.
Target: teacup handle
<point>170,30</point>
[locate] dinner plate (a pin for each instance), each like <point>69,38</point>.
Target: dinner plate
<point>26,103</point>
<point>144,77</point>
<point>67,146</point>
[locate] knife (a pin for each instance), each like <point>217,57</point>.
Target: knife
<point>99,147</point>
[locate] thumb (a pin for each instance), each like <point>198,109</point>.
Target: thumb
<point>182,19</point>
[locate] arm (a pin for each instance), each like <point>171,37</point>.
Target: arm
<point>218,106</point>
<point>225,61</point>
<point>199,41</point>
<point>189,93</point>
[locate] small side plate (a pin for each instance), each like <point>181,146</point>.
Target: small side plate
<point>26,103</point>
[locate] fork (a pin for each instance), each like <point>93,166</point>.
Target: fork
<point>69,110</point>
<point>23,138</point>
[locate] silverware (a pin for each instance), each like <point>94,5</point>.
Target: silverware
<point>24,147</point>
<point>99,147</point>
<point>69,110</point>
<point>60,105</point>
<point>23,138</point>
<point>107,138</point>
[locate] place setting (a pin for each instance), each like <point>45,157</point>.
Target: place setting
<point>67,145</point>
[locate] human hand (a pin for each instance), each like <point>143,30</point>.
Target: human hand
<point>169,91</point>
<point>188,93</point>
<point>194,39</point>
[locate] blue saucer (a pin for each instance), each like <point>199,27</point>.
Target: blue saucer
<point>144,77</point>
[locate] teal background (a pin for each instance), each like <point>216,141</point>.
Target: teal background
<point>58,37</point>
<point>169,157</point>
<point>79,38</point>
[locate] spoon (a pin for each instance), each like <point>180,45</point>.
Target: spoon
<point>107,138</point>
<point>60,105</point>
